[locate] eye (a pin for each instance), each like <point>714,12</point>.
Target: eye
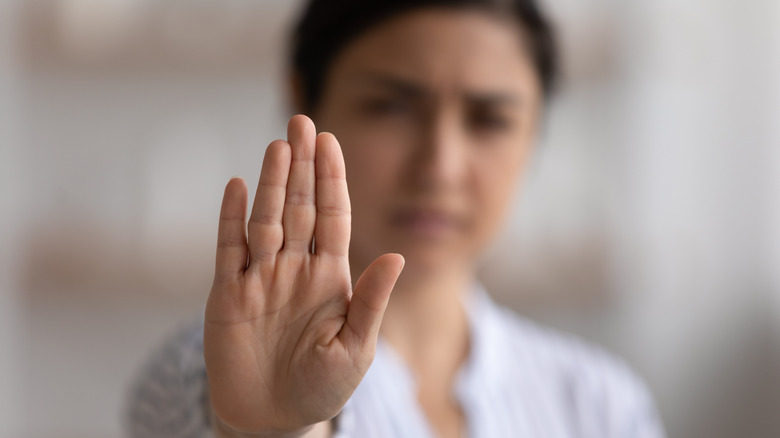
<point>386,106</point>
<point>488,121</point>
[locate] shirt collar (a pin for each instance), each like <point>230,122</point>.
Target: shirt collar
<point>487,362</point>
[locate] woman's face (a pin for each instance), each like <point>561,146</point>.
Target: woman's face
<point>436,112</point>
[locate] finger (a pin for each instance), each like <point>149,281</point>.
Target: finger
<point>369,301</point>
<point>332,226</point>
<point>299,209</point>
<point>231,238</point>
<point>266,234</point>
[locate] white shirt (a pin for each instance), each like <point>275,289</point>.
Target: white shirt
<point>520,380</point>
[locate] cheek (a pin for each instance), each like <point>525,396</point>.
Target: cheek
<point>374,168</point>
<point>366,152</point>
<point>497,178</point>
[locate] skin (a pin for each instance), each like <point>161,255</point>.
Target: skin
<point>436,113</point>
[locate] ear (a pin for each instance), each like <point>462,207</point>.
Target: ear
<point>296,93</point>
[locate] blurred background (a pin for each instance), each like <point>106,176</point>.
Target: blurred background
<point>647,222</point>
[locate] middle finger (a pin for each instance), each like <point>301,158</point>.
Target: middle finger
<point>299,209</point>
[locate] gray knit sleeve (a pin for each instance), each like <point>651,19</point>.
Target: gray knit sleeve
<point>169,397</point>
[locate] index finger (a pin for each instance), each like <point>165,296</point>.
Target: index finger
<point>231,237</point>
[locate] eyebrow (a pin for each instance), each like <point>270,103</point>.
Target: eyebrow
<point>393,83</point>
<point>411,89</point>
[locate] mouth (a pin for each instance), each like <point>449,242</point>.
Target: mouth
<point>426,223</point>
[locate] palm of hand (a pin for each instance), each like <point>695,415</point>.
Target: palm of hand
<point>286,340</point>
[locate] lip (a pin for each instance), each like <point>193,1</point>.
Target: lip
<point>426,222</point>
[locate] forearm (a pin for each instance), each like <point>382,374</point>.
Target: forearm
<point>319,430</point>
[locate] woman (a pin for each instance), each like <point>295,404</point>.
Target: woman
<point>436,106</point>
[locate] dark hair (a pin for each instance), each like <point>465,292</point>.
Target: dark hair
<point>327,26</point>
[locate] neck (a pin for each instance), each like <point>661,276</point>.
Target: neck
<point>426,323</point>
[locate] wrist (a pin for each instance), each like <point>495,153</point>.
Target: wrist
<point>222,430</point>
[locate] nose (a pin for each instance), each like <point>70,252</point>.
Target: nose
<point>440,159</point>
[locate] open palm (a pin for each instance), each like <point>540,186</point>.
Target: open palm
<point>287,339</point>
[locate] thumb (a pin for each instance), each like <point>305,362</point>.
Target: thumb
<point>369,301</point>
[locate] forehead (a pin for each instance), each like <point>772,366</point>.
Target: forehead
<point>443,50</point>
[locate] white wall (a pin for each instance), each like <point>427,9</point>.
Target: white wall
<point>691,212</point>
<point>672,133</point>
<point>11,201</point>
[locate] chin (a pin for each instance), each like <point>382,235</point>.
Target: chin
<point>423,257</point>
<point>428,260</point>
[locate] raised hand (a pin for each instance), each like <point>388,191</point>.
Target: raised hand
<point>287,339</point>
